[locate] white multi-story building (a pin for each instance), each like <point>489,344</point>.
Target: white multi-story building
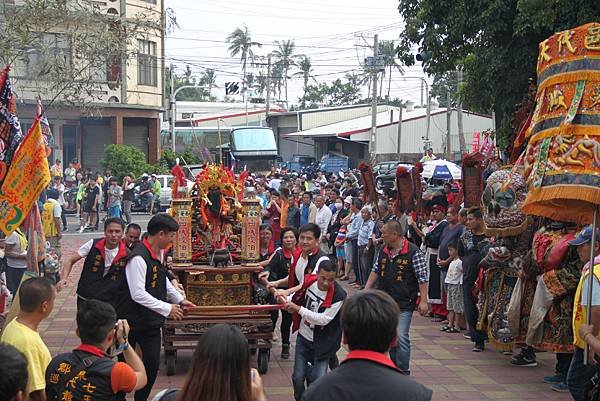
<point>128,94</point>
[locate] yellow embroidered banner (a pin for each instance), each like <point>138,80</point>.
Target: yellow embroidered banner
<point>27,176</point>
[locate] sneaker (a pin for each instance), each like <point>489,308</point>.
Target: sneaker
<point>82,229</point>
<point>467,336</point>
<point>285,351</point>
<point>554,379</point>
<point>66,229</point>
<point>560,387</point>
<point>521,360</point>
<point>478,348</point>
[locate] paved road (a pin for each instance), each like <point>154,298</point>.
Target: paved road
<point>443,362</point>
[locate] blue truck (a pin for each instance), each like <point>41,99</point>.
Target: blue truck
<point>333,163</point>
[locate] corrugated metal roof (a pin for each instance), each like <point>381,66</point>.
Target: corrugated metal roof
<point>362,124</point>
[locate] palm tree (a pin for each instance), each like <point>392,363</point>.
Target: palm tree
<point>277,79</point>
<point>209,79</point>
<point>260,83</point>
<point>241,44</point>
<point>388,50</point>
<point>284,54</point>
<point>305,67</point>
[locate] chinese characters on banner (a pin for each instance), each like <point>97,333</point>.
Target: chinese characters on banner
<point>475,143</point>
<point>27,176</point>
<point>250,230</point>
<point>182,245</point>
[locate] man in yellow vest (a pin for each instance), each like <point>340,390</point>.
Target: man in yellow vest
<point>51,224</point>
<point>580,374</point>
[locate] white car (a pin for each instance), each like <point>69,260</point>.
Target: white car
<point>165,192</point>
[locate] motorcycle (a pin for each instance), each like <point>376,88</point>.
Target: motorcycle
<point>139,204</point>
<point>70,196</point>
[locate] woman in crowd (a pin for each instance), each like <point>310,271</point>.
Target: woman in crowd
<point>275,275</point>
<point>266,244</point>
<point>220,370</point>
<point>432,242</point>
<point>274,209</point>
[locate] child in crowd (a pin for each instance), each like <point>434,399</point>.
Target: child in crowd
<point>454,303</point>
<point>115,194</point>
<point>340,252</point>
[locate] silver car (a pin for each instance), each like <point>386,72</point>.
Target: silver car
<point>165,191</point>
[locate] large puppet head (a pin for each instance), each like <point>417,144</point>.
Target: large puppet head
<point>563,148</point>
<point>502,200</point>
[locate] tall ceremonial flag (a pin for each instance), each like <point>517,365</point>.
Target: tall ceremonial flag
<point>27,176</point>
<point>46,131</point>
<point>10,128</point>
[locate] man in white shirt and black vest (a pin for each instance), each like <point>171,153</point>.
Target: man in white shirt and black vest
<point>316,309</point>
<point>103,273</point>
<point>151,297</point>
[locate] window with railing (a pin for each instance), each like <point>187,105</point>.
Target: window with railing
<point>51,52</point>
<point>147,63</point>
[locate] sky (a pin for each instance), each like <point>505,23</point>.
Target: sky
<point>335,34</point>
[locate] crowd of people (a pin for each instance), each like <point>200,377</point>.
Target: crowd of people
<point>317,233</point>
<point>94,192</point>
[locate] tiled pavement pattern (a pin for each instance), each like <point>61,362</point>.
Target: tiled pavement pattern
<point>443,362</point>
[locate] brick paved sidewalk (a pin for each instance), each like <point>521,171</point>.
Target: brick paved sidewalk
<point>443,362</point>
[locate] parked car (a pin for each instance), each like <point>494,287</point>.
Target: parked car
<point>165,192</point>
<point>386,180</point>
<point>386,167</point>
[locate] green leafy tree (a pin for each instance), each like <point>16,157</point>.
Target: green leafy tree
<point>168,158</point>
<point>337,93</point>
<point>496,43</point>
<point>125,159</point>
<point>199,94</point>
<point>445,85</point>
<point>284,56</point>
<point>69,52</point>
<point>242,45</point>
<point>208,80</point>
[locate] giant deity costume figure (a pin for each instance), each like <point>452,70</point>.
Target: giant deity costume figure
<point>510,230</point>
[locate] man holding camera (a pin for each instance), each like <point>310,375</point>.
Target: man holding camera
<point>89,373</point>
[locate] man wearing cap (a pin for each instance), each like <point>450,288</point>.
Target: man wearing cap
<point>146,193</point>
<point>579,373</point>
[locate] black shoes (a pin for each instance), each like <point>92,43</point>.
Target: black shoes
<point>285,351</point>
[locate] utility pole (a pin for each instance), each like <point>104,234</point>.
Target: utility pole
<point>400,130</point>
<point>268,100</point>
<point>172,105</point>
<point>375,71</point>
<point>461,132</point>
<point>448,126</point>
<point>422,104</point>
